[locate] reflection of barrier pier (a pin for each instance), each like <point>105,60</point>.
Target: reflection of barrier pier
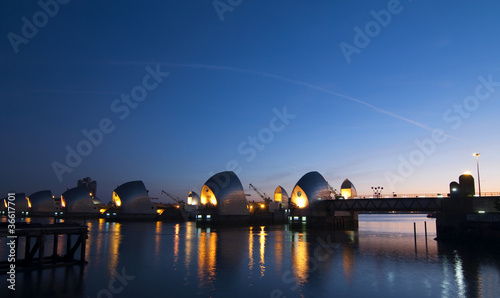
<point>34,238</point>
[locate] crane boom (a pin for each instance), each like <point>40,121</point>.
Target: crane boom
<point>263,196</point>
<point>176,199</point>
<point>333,193</point>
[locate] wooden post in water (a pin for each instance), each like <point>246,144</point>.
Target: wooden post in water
<point>41,249</point>
<point>27,248</point>
<point>425,228</point>
<point>415,235</point>
<point>68,245</point>
<point>54,247</point>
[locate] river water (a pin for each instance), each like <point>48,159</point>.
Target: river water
<point>139,259</point>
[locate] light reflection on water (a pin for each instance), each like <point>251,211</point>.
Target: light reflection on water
<point>181,259</point>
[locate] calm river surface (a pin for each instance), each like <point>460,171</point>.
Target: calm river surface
<point>135,259</point>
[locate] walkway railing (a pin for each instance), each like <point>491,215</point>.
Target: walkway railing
<point>420,195</point>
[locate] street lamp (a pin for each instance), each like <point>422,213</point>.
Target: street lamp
<point>478,179</point>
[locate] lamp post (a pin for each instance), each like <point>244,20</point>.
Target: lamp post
<point>478,179</point>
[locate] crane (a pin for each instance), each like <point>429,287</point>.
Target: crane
<point>176,199</point>
<point>333,193</point>
<point>263,196</point>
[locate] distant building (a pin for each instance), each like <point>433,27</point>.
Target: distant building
<point>43,202</point>
<point>89,184</point>
<point>464,187</point>
<point>311,187</point>
<point>78,200</point>
<point>224,192</point>
<point>133,198</point>
<point>193,198</point>
<point>21,203</point>
<point>281,196</point>
<point>347,190</point>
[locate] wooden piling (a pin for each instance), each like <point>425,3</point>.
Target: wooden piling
<point>40,232</point>
<point>415,235</point>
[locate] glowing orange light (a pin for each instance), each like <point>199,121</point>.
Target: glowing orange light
<point>63,202</point>
<point>207,196</point>
<point>262,206</point>
<point>299,198</point>
<point>301,202</point>
<point>116,199</point>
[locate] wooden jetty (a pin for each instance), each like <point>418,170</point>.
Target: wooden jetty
<point>34,238</point>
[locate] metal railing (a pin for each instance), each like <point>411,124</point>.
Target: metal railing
<point>420,195</point>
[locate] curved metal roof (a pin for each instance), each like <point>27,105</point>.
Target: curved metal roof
<point>133,198</point>
<point>20,201</point>
<point>348,185</point>
<point>193,198</point>
<point>280,195</point>
<point>78,200</point>
<point>42,201</point>
<point>311,187</point>
<point>228,193</point>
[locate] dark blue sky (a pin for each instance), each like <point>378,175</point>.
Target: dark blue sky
<point>363,83</point>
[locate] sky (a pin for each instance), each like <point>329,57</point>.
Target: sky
<point>397,94</point>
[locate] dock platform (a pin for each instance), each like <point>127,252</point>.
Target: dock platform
<point>35,238</point>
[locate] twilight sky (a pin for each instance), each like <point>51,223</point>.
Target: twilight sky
<point>398,94</point>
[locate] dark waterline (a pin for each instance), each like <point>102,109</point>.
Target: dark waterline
<point>135,259</point>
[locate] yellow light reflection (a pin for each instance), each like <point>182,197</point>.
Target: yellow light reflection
<point>262,241</point>
<point>207,196</point>
<point>207,252</point>
<point>300,258</point>
<point>29,202</point>
<point>116,199</point>
<point>176,243</point>
<point>5,203</point>
<point>100,228</point>
<point>114,246</point>
<point>278,250</point>
<point>188,243</point>
<point>63,202</point>
<point>250,248</point>
<point>158,238</point>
